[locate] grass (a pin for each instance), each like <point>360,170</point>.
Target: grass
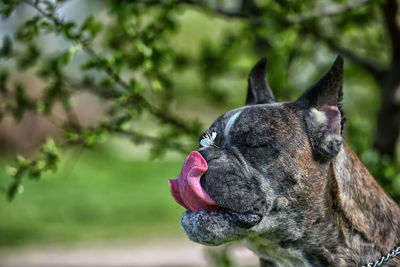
<point>95,195</point>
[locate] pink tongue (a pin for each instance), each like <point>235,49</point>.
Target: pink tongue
<point>186,189</point>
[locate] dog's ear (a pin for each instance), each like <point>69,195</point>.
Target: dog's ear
<point>324,117</point>
<point>258,91</point>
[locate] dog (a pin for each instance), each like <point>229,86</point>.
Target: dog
<point>280,177</point>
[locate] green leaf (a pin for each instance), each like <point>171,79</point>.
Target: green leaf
<point>91,26</point>
<point>156,85</point>
<point>7,48</point>
<point>65,57</point>
<point>3,81</point>
<point>15,188</point>
<point>29,58</point>
<point>22,103</point>
<point>29,30</point>
<point>7,7</point>
<point>67,30</point>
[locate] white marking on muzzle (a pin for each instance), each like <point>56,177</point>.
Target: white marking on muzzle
<point>230,122</point>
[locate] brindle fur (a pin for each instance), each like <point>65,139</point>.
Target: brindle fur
<point>285,162</point>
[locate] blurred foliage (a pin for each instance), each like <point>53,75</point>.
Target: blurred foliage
<point>33,168</point>
<point>131,54</point>
<point>76,204</point>
<point>134,44</point>
<point>220,257</point>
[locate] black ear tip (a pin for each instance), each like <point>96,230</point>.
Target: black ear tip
<point>263,60</point>
<point>258,91</point>
<point>338,64</point>
<point>260,66</point>
<point>336,71</point>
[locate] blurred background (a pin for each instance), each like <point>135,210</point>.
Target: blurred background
<point>101,101</point>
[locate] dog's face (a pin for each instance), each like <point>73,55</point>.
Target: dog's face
<point>260,166</point>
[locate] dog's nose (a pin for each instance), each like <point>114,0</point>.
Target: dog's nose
<point>210,153</point>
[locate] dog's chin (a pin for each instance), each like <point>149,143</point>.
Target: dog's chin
<point>217,227</point>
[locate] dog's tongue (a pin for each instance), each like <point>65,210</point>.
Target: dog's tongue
<point>186,189</point>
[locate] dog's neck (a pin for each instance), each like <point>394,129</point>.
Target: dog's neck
<point>363,205</point>
<point>357,224</point>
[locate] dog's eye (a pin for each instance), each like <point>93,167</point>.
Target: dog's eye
<point>207,139</point>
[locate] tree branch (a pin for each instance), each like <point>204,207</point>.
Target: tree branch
<point>155,141</point>
<point>329,11</point>
<point>113,125</point>
<point>332,10</point>
<point>390,10</point>
<point>376,72</point>
<point>155,111</point>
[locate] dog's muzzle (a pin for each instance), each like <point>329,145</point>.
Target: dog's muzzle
<point>187,191</point>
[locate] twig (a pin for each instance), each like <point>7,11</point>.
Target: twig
<point>391,10</point>
<point>329,11</point>
<point>158,142</point>
<point>376,72</point>
<point>326,11</point>
<point>160,114</point>
<point>332,10</point>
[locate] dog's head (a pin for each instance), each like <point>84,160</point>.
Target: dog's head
<point>261,167</point>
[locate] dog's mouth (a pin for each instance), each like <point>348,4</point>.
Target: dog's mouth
<point>187,191</point>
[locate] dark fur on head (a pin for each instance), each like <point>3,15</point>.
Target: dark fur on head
<point>288,185</point>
